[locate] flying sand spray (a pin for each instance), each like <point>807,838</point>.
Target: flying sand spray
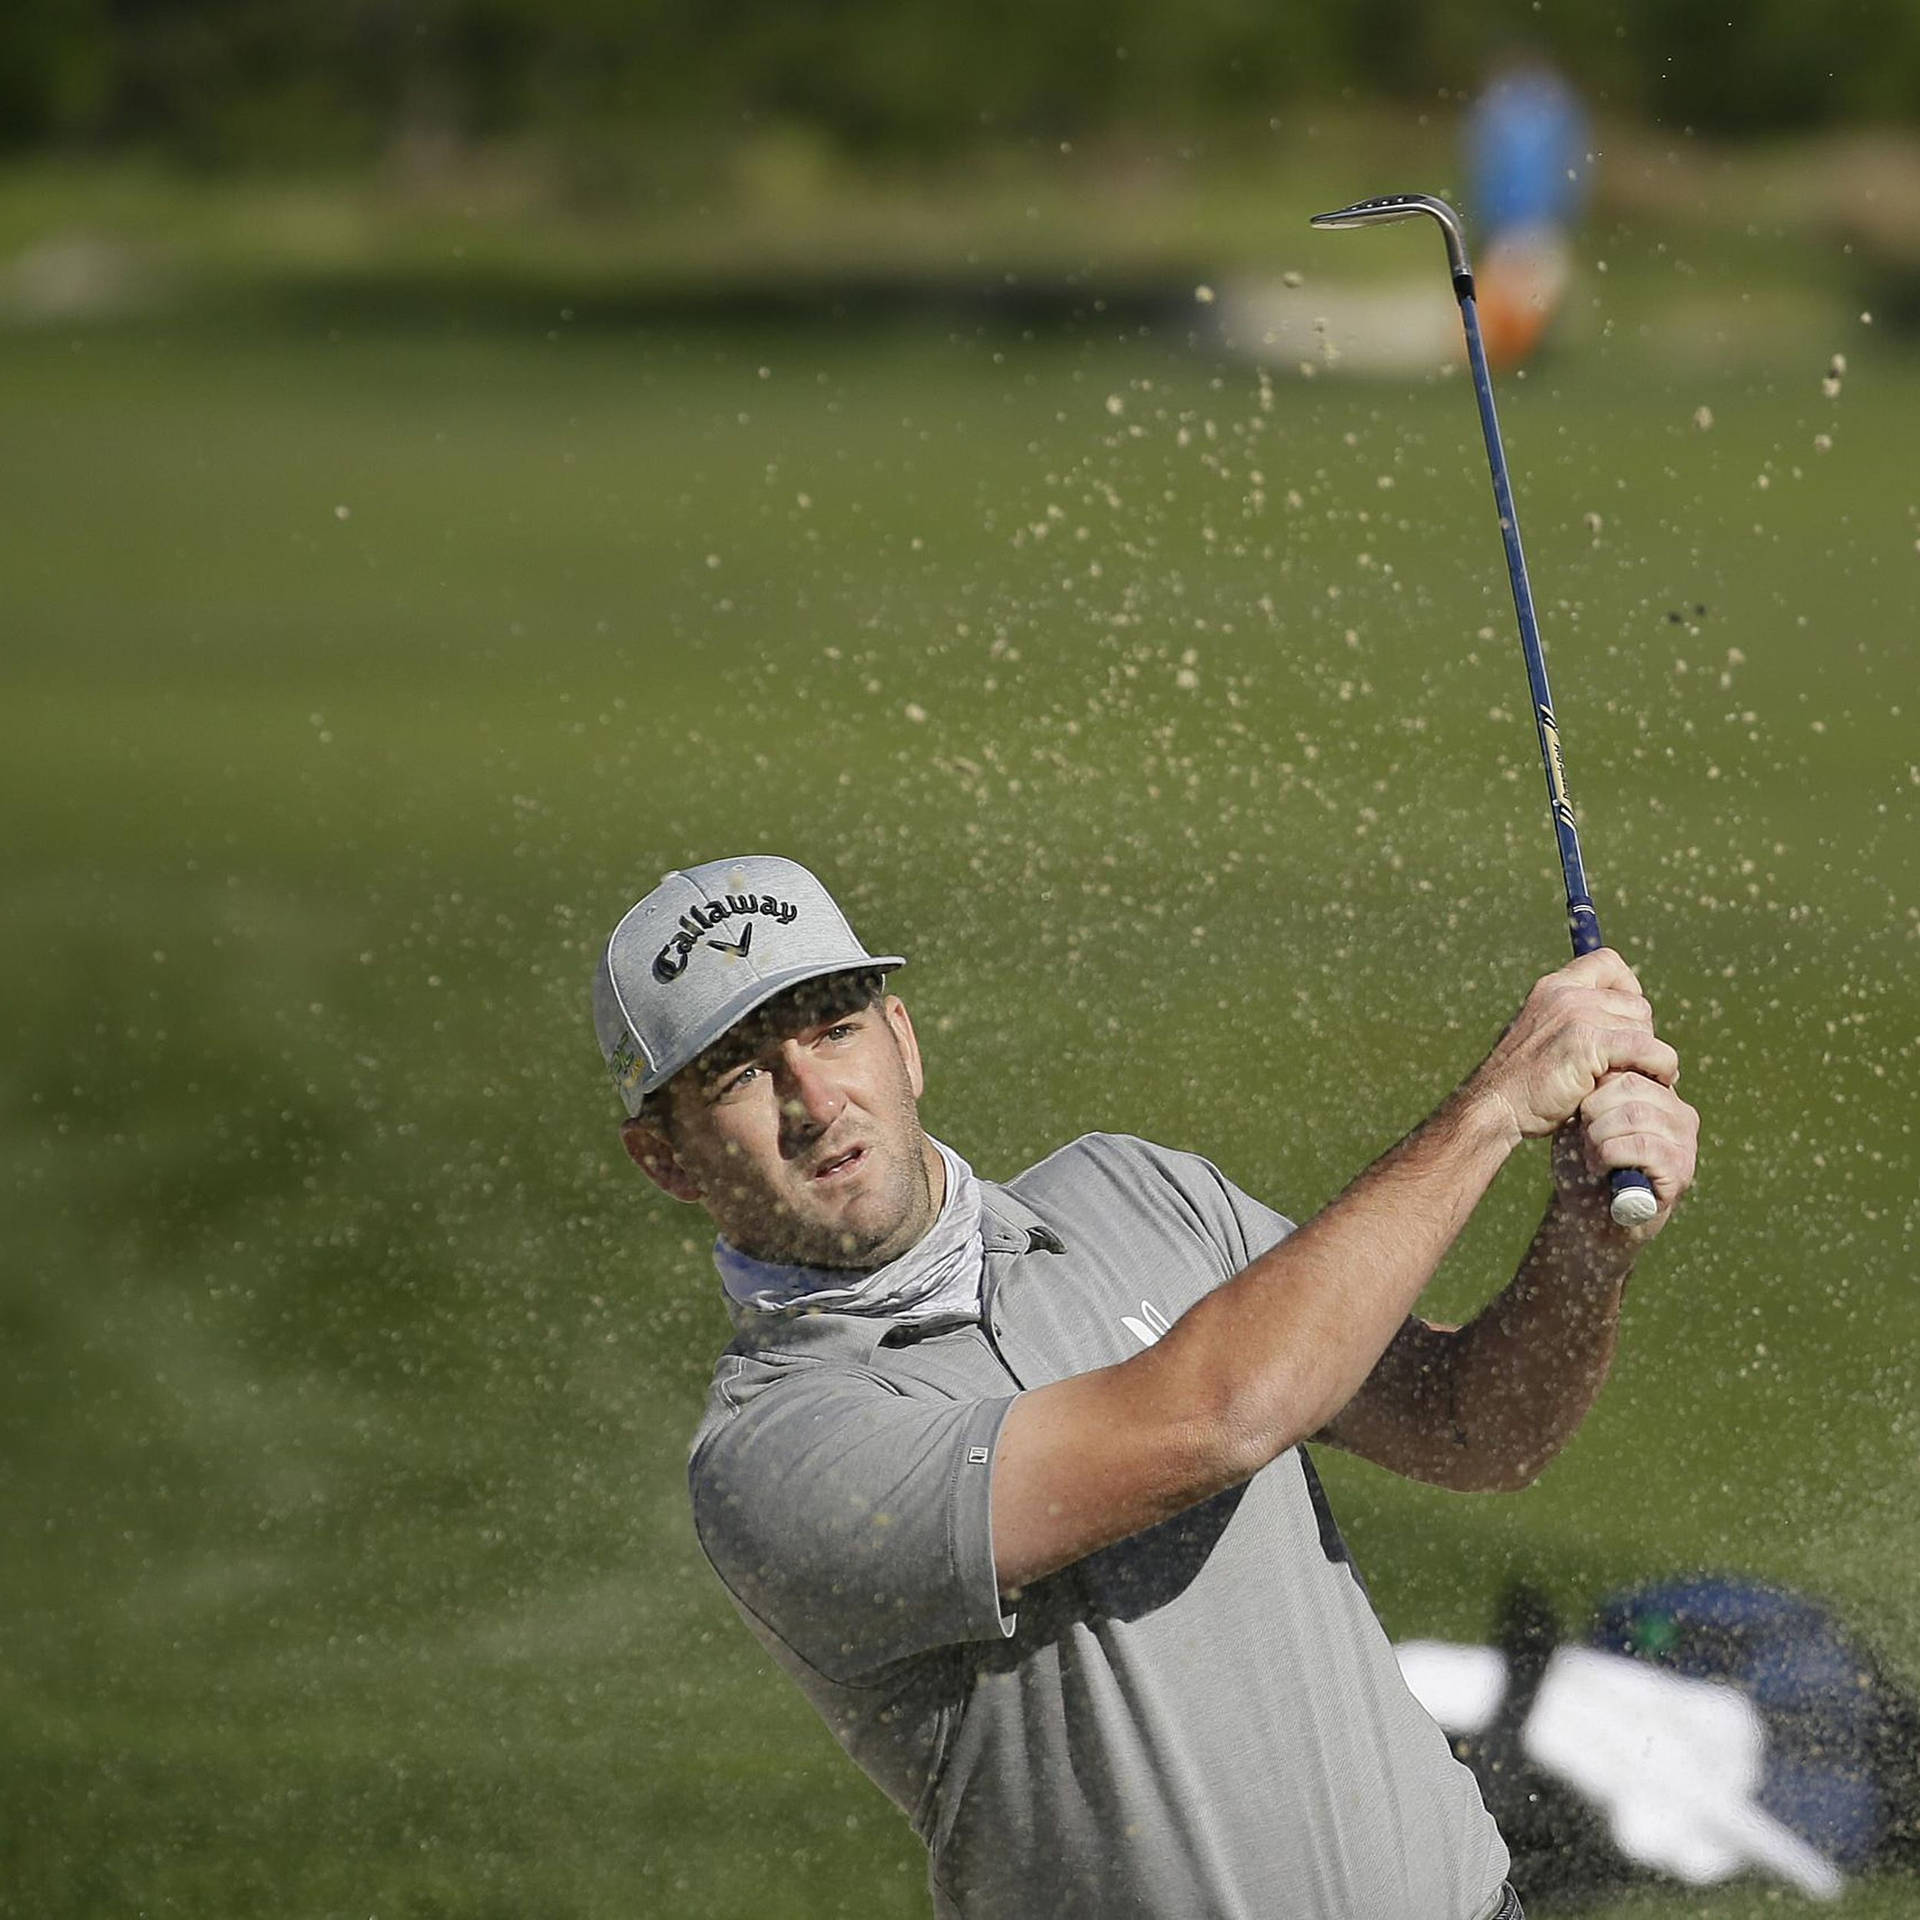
<point>1633,1203</point>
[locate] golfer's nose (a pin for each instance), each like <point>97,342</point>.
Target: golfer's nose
<point>810,1097</point>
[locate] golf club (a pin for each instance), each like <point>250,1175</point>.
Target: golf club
<point>1633,1202</point>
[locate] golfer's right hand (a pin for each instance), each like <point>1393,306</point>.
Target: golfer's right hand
<point>1578,1025</point>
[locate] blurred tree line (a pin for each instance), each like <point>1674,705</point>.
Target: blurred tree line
<point>267,81</point>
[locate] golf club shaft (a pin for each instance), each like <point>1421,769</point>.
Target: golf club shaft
<point>1630,1190</point>
<point>1633,1202</point>
<point>1583,923</point>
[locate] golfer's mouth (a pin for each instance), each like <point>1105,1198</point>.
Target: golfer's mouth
<point>841,1164</point>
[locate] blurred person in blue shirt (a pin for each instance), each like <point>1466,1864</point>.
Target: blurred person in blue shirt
<point>1528,165</point>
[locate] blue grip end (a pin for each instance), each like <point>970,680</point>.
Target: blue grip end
<point>1633,1203</point>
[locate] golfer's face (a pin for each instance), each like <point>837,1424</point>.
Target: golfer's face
<point>805,1139</point>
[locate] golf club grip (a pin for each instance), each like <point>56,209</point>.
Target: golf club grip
<point>1631,1200</point>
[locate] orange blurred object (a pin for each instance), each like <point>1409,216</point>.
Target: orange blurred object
<point>1519,283</point>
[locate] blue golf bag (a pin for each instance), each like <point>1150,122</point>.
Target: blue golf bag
<point>1843,1736</point>
<point>1842,1752</point>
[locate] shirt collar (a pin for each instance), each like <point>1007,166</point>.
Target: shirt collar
<point>1007,1223</point>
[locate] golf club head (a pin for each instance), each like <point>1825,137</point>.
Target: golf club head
<point>1405,206</point>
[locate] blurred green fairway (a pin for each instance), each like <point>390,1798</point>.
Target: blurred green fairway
<point>1174,726</point>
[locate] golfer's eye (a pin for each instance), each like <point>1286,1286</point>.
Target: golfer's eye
<point>735,1082</point>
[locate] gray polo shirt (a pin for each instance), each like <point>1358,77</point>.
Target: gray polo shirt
<point>1205,1719</point>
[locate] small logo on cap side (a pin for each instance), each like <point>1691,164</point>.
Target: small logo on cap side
<point>626,1066</point>
<point>671,961</point>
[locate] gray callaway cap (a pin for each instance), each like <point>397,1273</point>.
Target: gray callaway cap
<point>701,951</point>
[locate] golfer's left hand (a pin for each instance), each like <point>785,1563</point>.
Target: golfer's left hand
<point>1628,1120</point>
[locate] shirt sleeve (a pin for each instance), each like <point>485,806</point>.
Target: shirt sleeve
<point>853,1522</point>
<point>1242,1227</point>
<point>1256,1226</point>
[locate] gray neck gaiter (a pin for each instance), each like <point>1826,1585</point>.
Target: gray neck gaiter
<point>938,1278</point>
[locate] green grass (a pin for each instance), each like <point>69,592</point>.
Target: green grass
<point>349,1366</point>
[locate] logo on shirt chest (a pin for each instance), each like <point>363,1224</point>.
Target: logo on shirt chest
<point>1151,1324</point>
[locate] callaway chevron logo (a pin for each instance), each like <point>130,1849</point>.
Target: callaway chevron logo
<point>697,923</point>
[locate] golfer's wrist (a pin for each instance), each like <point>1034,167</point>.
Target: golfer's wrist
<point>1579,1233</point>
<point>1483,1119</point>
<point>1486,1117</point>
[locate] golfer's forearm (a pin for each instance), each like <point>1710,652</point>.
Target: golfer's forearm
<point>1274,1354</point>
<point>1526,1371</point>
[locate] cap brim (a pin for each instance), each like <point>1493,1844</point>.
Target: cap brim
<point>755,994</point>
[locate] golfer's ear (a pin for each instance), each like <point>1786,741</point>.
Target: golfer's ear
<point>908,1042</point>
<point>652,1152</point>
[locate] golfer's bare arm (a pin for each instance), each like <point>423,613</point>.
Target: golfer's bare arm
<point>1483,1408</point>
<point>1276,1354</point>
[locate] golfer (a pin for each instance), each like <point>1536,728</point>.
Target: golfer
<point>1011,1478</point>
